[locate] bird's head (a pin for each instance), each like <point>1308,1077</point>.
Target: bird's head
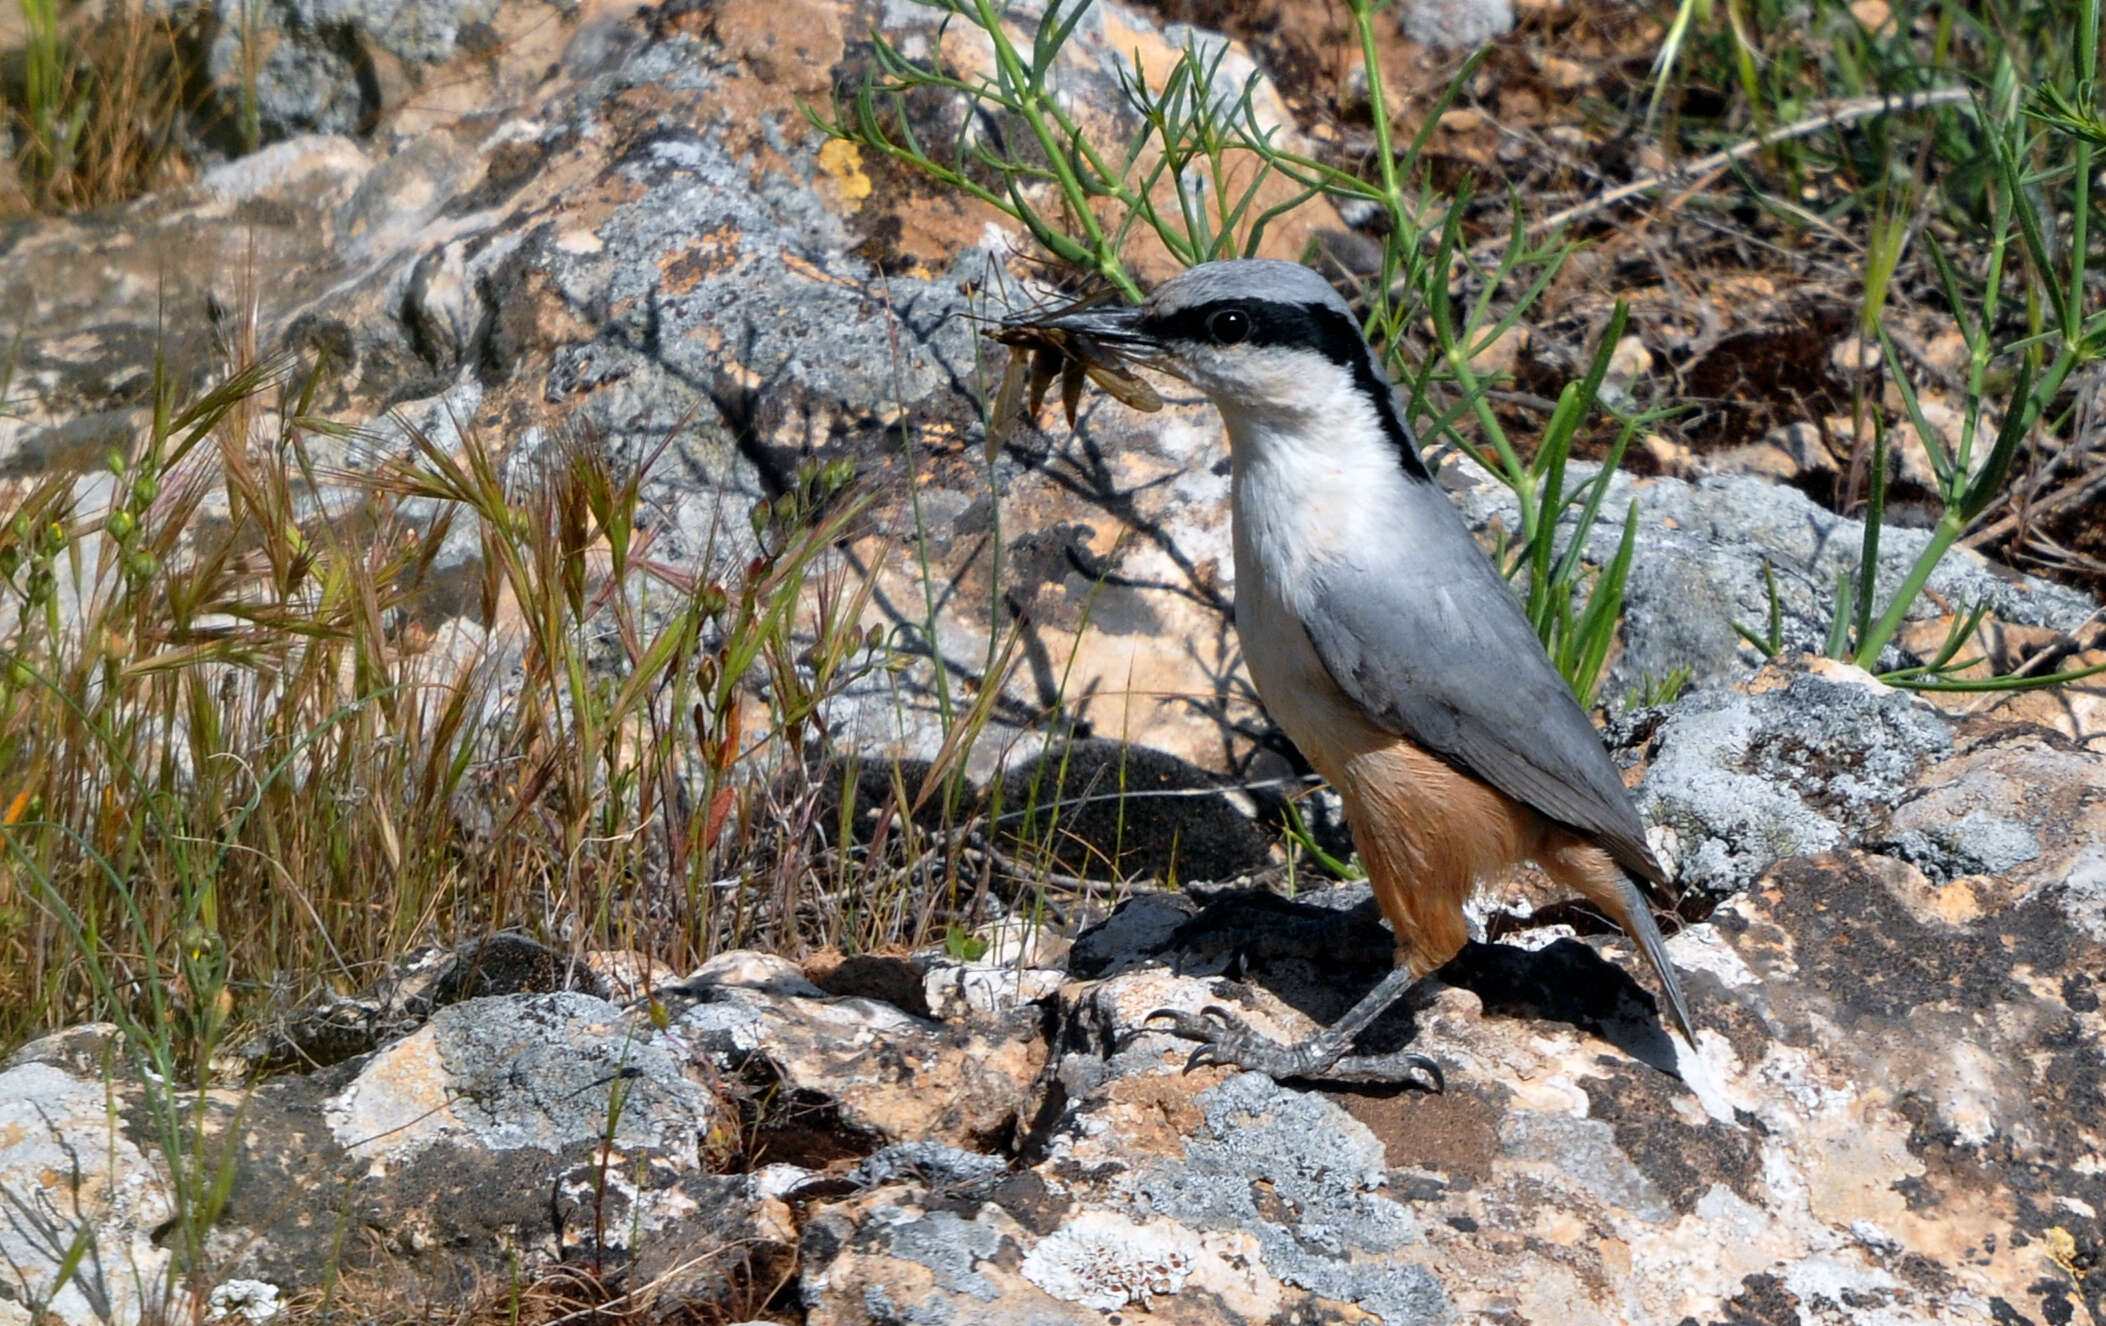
<point>1265,341</point>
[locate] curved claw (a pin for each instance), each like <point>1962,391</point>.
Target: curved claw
<point>1213,1027</point>
<point>1195,1026</point>
<point>1177,1017</point>
<point>1226,1039</point>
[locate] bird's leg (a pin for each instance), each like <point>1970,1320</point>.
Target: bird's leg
<point>1225,1038</point>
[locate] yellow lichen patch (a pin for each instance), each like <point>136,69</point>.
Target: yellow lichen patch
<point>1956,903</point>
<point>843,163</point>
<point>2062,1250</point>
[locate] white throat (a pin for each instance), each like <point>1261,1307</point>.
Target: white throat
<point>1312,484</point>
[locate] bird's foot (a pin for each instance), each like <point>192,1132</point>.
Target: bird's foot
<point>1224,1038</point>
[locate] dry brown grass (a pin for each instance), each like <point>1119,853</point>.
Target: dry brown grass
<point>94,103</point>
<point>246,759</point>
<point>563,1296</point>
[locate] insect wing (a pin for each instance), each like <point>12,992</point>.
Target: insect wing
<point>1009,398</point>
<point>1045,366</point>
<point>1125,387</point>
<point>1072,375</point>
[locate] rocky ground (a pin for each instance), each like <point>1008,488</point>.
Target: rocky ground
<point>529,219</point>
<point>1894,1113</point>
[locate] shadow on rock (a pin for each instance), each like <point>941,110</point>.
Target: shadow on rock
<point>1321,953</point>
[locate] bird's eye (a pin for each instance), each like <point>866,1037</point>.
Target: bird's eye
<point>1228,326</point>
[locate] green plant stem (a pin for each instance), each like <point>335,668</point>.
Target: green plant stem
<point>1961,511</point>
<point>1943,535</point>
<point>1030,94</point>
<point>2080,173</point>
<point>1377,105</point>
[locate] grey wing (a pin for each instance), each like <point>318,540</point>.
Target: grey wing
<point>1448,660</point>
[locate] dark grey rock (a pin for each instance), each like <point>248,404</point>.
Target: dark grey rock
<point>1112,810</point>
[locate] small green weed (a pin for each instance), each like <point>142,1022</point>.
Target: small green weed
<point>1979,205</point>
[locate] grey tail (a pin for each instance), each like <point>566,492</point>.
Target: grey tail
<point>1638,922</point>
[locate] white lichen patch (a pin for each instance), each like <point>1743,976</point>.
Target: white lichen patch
<point>1702,948</point>
<point>1105,1261</point>
<point>237,1301</point>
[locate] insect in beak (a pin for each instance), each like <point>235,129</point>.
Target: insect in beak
<point>1092,340</point>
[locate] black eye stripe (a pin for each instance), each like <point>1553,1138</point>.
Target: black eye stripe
<point>1329,331</point>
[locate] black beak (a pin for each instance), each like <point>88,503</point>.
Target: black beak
<point>1115,326</point>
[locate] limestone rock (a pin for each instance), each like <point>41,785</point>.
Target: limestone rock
<point>475,1141</point>
<point>1698,568</point>
<point>63,1171</point>
<point>541,1072</point>
<point>866,1069</point>
<point>1455,25</point>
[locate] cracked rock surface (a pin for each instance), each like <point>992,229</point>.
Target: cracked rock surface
<point>1894,1113</point>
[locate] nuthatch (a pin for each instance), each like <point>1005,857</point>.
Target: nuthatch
<point>1384,642</point>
